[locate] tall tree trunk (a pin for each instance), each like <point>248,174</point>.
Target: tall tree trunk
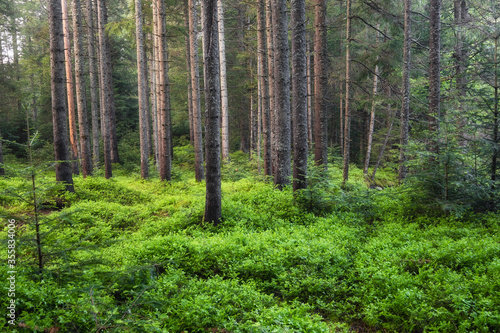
<point>141,83</point>
<point>347,115</point>
<point>372,117</point>
<point>154,91</point>
<point>2,170</point>
<point>270,64</point>
<point>195,86</point>
<point>299,94</point>
<point>434,73</point>
<point>164,129</point>
<point>223,83</point>
<point>59,111</point>
<point>405,105</point>
<point>94,94</point>
<point>309,98</point>
<point>496,115</point>
<point>81,94</point>
<point>282,95</point>
<point>105,89</point>
<point>188,68</point>
<point>264,82</point>
<point>73,136</point>
<point>212,106</point>
<point>341,115</point>
<point>320,85</point>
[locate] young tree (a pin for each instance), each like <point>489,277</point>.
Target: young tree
<point>223,83</point>
<point>69,90</point>
<point>59,112</point>
<point>405,105</point>
<point>299,94</point>
<point>320,84</point>
<point>282,94</point>
<point>195,86</point>
<point>212,112</point>
<point>81,94</point>
<point>142,82</point>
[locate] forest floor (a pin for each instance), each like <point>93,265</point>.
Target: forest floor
<point>128,255</point>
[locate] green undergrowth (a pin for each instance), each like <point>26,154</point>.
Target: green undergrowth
<point>127,255</point>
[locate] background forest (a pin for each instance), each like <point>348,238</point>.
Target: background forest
<point>251,166</point>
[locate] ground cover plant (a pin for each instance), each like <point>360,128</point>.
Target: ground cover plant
<point>128,255</point>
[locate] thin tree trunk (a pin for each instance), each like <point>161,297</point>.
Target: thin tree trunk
<point>213,210</point>
<point>154,92</point>
<point>81,95</point>
<point>434,73</point>
<point>282,94</point>
<point>195,85</point>
<point>264,78</point>
<point>341,112</point>
<point>405,107</point>
<point>94,94</point>
<point>2,170</point>
<point>105,89</point>
<point>270,64</point>
<point>223,83</point>
<point>347,117</point>
<point>59,111</point>
<point>299,94</point>
<point>73,135</point>
<point>320,85</point>
<point>188,67</point>
<point>496,119</point>
<point>309,99</point>
<point>142,82</point>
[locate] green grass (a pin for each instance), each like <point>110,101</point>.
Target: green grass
<point>127,255</point>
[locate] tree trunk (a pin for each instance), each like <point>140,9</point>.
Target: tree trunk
<point>434,73</point>
<point>105,89</point>
<point>299,94</point>
<point>212,107</point>
<point>270,64</point>
<point>154,91</point>
<point>73,136</point>
<point>223,84</point>
<point>2,170</point>
<point>309,98</point>
<point>264,82</point>
<point>347,114</point>
<point>94,94</point>
<point>496,119</point>
<point>282,94</point>
<point>188,68</point>
<point>59,112</point>
<point>141,83</point>
<point>320,85</point>
<point>195,86</point>
<point>405,105</point>
<point>386,139</point>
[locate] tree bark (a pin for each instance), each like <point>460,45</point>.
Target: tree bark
<point>434,73</point>
<point>2,170</point>
<point>195,86</point>
<point>94,94</point>
<point>81,95</point>
<point>347,114</point>
<point>188,68</point>
<point>105,89</point>
<point>264,82</point>
<point>320,85</point>
<point>141,83</point>
<point>282,94</point>
<point>405,107</point>
<point>59,108</point>
<point>223,83</point>
<point>73,135</point>
<point>496,119</point>
<point>299,94</point>
<point>212,113</point>
<point>270,64</point>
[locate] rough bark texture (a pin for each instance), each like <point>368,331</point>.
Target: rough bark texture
<point>347,114</point>
<point>372,122</point>
<point>264,85</point>
<point>496,119</point>
<point>212,113</point>
<point>434,73</point>
<point>59,108</point>
<point>270,64</point>
<point>195,86</point>
<point>223,83</point>
<point>405,107</point>
<point>320,84</point>
<point>188,68</point>
<point>94,94</point>
<point>309,98</point>
<point>141,85</point>
<point>282,95</point>
<point>154,92</point>
<point>105,89</point>
<point>73,135</point>
<point>81,95</point>
<point>299,94</point>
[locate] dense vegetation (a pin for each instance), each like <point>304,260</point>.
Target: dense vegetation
<point>128,255</point>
